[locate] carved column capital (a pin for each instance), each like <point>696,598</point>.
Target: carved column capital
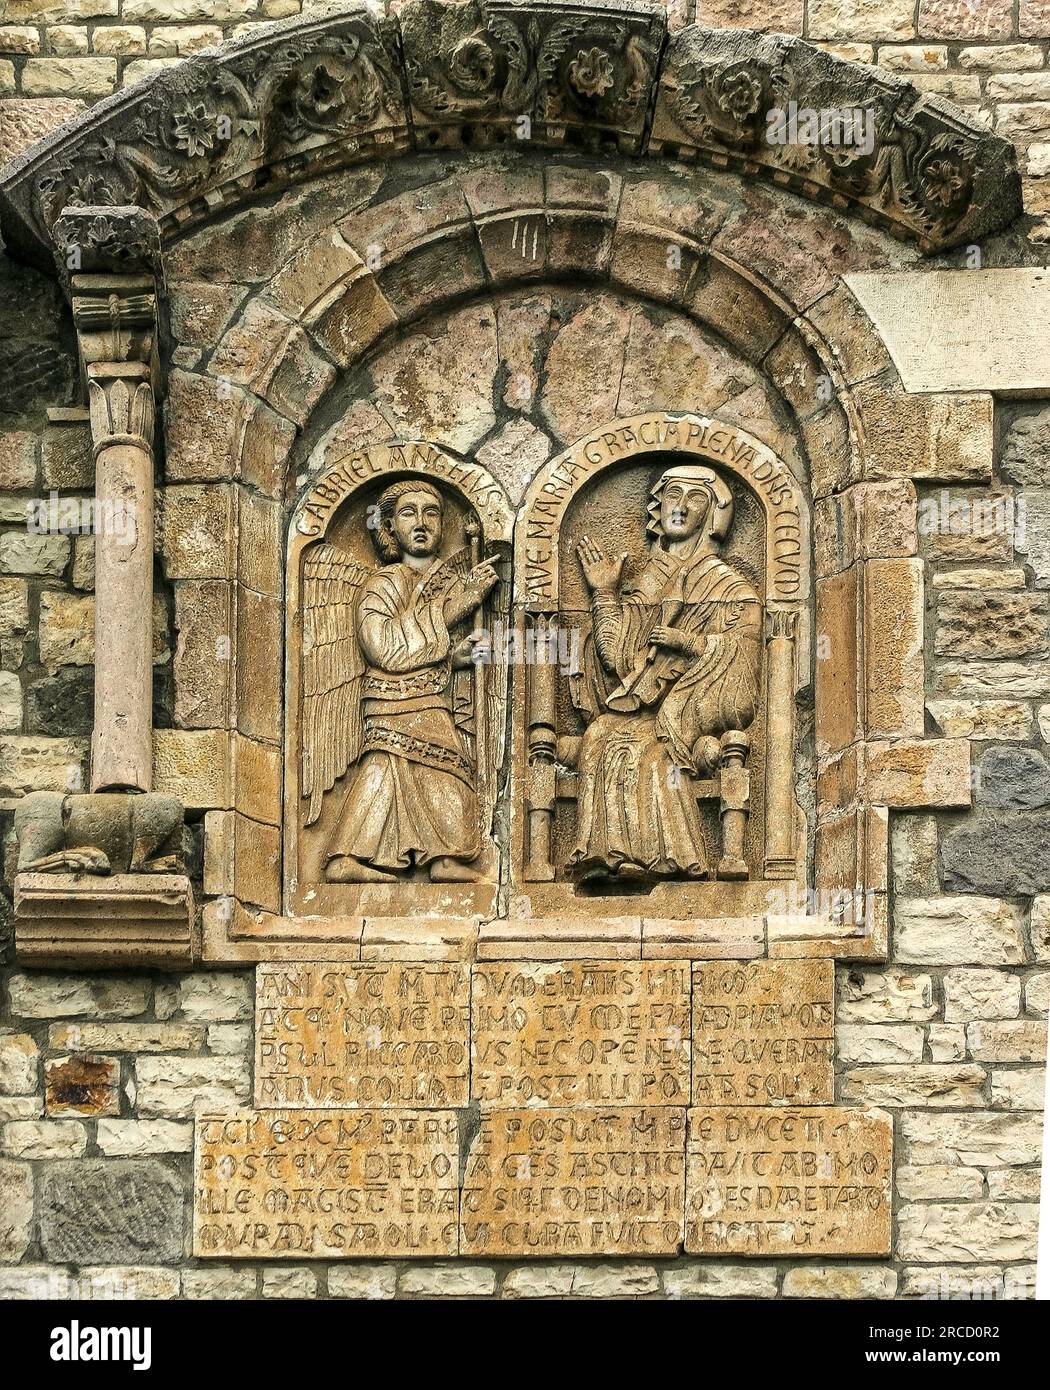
<point>121,404</point>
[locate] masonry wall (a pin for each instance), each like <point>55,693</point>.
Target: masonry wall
<point>988,56</point>
<point>100,1073</point>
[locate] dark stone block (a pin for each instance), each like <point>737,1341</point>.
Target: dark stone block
<point>62,705</point>
<point>125,1211</point>
<point>1025,455</point>
<point>1013,779</point>
<point>1006,855</point>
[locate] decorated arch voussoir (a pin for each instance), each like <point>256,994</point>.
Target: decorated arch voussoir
<point>297,100</point>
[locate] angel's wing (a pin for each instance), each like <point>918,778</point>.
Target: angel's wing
<point>332,670</point>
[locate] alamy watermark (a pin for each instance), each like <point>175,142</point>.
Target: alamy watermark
<point>852,127</point>
<point>81,516</point>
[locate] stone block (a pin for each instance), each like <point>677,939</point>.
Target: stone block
<point>580,1033</point>
<point>958,930</point>
<point>111,1211</point>
<point>132,920</point>
<point>398,1184</point>
<point>763,1033</point>
<point>370,1035</point>
<point>522,1163</point>
<point>851,1150</point>
<point>82,1084</point>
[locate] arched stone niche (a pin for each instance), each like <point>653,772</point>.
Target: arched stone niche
<point>752,832</point>
<point>302,303</point>
<point>339,714</point>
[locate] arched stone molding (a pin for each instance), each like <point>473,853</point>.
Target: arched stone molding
<point>328,282</point>
<point>245,119</point>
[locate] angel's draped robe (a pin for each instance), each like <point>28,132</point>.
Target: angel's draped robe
<point>654,712</point>
<point>412,794</point>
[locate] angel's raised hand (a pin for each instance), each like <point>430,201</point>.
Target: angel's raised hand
<point>598,570</point>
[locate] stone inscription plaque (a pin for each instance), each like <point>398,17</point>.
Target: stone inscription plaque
<point>763,1033</point>
<point>580,1182</point>
<point>580,1033</point>
<point>297,1184</point>
<point>789,1182</point>
<point>370,1035</point>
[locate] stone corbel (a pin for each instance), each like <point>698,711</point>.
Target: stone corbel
<point>99,875</point>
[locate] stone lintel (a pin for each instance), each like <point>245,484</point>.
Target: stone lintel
<point>119,921</point>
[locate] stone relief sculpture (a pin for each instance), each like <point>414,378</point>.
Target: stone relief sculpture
<point>387,689</point>
<point>672,664</point>
<point>402,722</point>
<point>664,764</point>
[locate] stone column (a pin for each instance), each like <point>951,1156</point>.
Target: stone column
<point>115,314</point>
<point>780,744</point>
<point>120,400</point>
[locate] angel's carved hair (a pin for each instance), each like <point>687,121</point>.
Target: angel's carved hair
<point>383,535</point>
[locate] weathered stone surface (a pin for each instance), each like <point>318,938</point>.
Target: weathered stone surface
<point>1013,779</point>
<point>777,1182</point>
<point>977,1231</point>
<point>931,1085</point>
<point>974,994</point>
<point>289,1283</point>
<point>978,1139</point>
<point>960,330</point>
<point>914,845</point>
<point>710,1280</point>
<point>981,718</point>
<point>396,1172</point>
<point>966,930</point>
<point>840,1281</point>
<point>447,1281</point>
<point>585,1181</point>
<point>40,995</point>
<point>29,763</point>
<point>371,1035</point>
<point>16,1210</point>
<point>1011,1040</point>
<point>111,1212</point>
<point>991,625</point>
<point>1002,854</point>
<point>1025,453</point>
<point>44,1139</point>
<point>889,995</point>
<point>762,1033</point>
<point>947,1042</point>
<point>126,1037</point>
<point>229,1282</point>
<point>138,1138</point>
<point>19,1064</point>
<point>878,1042</point>
<point>172,1088</point>
<point>362,1281</point>
<point>939,1182</point>
<point>214,996</point>
<point>586,1033</point>
<point>1018,1088</point>
<point>82,1084</point>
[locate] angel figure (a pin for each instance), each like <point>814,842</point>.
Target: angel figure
<point>388,697</point>
<point>672,663</point>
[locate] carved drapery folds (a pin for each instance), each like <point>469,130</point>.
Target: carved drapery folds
<point>320,93</point>
<point>654,725</point>
<point>397,579</point>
